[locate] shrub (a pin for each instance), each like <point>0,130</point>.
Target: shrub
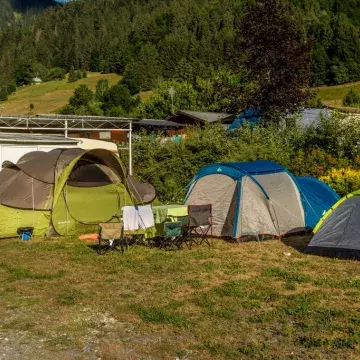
<point>67,110</point>
<point>56,73</point>
<point>316,151</point>
<point>315,162</point>
<point>102,86</point>
<point>72,75</point>
<point>3,94</point>
<point>118,95</point>
<point>75,75</point>
<point>40,71</point>
<point>11,88</point>
<point>82,96</point>
<point>343,181</point>
<point>132,79</point>
<point>352,99</point>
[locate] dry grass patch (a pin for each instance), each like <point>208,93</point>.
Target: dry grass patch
<point>50,96</point>
<point>230,301</point>
<point>333,95</point>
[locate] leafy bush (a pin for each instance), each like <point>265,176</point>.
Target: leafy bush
<point>118,95</point>
<point>56,73</point>
<point>343,181</point>
<point>312,151</point>
<point>132,79</point>
<point>11,88</point>
<point>3,94</point>
<point>75,75</point>
<point>67,110</point>
<point>82,96</point>
<point>101,87</point>
<point>352,99</point>
<point>39,71</point>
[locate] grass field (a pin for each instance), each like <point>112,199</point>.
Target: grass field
<point>60,300</point>
<point>333,95</point>
<point>50,96</point>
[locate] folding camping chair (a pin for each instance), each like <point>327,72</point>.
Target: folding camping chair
<point>172,235</point>
<point>111,237</point>
<point>199,224</point>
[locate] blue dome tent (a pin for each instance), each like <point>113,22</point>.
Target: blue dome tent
<point>260,197</point>
<point>305,117</point>
<point>250,116</point>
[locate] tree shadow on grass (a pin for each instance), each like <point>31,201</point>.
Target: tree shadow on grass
<point>93,247</point>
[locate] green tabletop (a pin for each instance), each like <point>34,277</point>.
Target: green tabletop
<point>168,213</point>
<point>162,212</point>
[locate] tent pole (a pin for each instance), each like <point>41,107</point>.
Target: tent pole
<point>66,128</point>
<point>33,200</point>
<point>66,207</point>
<point>130,148</point>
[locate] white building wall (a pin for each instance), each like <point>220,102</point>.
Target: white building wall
<point>13,152</point>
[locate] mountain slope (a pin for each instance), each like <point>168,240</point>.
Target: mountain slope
<point>6,13</point>
<point>172,39</point>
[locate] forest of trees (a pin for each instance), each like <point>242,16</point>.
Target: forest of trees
<point>180,40</point>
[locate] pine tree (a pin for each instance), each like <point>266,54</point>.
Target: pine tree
<point>149,66</point>
<point>73,75</point>
<point>3,94</point>
<point>82,96</point>
<point>102,87</point>
<point>132,78</point>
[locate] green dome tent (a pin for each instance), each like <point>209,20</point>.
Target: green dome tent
<point>66,191</point>
<point>338,232</point>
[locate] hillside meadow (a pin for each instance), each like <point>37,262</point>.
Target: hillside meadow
<point>50,96</point>
<point>332,96</point>
<point>254,300</point>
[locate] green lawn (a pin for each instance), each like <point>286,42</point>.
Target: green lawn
<point>50,96</point>
<point>255,300</point>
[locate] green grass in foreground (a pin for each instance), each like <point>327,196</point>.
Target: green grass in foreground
<point>60,300</point>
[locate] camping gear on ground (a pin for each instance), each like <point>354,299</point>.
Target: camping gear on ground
<point>169,213</point>
<point>66,191</point>
<point>111,237</point>
<point>138,217</point>
<point>338,232</point>
<point>260,197</point>
<point>25,233</point>
<point>199,225</point>
<point>89,237</point>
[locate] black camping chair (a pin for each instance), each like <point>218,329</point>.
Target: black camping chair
<point>111,237</point>
<point>199,224</point>
<point>172,235</point>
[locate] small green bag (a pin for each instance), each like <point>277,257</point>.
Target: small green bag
<point>173,229</point>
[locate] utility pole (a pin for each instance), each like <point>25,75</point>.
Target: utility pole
<point>172,94</point>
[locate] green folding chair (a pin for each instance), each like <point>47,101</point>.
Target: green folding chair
<point>172,235</point>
